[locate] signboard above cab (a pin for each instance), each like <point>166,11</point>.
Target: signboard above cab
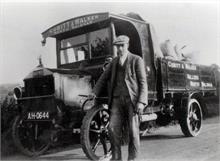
<point>74,24</point>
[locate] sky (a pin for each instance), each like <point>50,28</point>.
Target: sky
<point>21,24</point>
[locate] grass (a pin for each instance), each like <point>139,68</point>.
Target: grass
<point>6,99</point>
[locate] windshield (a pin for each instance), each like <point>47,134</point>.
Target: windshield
<point>86,46</point>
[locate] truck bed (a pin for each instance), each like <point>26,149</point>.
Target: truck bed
<point>179,76</point>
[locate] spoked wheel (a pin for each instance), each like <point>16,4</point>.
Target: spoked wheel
<point>94,133</point>
<point>191,121</point>
<point>31,138</point>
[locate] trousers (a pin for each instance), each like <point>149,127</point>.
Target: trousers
<point>122,115</point>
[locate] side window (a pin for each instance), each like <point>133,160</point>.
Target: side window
<point>99,42</point>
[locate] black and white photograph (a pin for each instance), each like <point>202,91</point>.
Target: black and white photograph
<point>110,80</point>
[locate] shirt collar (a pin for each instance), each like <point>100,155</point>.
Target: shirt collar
<point>122,59</point>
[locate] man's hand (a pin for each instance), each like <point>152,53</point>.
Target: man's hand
<point>140,108</point>
<point>91,96</point>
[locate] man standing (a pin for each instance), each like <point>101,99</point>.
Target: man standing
<point>128,95</point>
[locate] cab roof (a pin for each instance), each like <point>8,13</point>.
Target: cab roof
<point>86,20</point>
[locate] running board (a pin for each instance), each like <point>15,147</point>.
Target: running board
<point>152,109</point>
<point>148,117</point>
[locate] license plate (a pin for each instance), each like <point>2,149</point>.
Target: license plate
<point>38,115</point>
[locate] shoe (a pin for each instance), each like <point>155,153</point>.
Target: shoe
<point>107,157</point>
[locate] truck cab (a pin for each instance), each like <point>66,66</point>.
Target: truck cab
<point>84,43</point>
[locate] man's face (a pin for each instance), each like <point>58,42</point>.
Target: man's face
<point>122,49</point>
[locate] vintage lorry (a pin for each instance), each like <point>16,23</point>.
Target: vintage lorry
<point>53,101</point>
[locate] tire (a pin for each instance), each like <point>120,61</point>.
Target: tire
<point>191,118</point>
<point>94,133</point>
<point>31,138</point>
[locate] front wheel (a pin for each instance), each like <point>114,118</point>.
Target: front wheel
<point>31,138</point>
<point>94,133</point>
<point>191,118</point>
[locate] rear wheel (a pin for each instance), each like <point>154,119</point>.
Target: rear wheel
<point>94,133</point>
<point>191,120</point>
<point>31,138</point>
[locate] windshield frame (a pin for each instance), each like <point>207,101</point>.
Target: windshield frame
<point>87,33</point>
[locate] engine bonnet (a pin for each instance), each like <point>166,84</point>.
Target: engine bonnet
<point>68,84</point>
<point>68,87</point>
<point>38,72</point>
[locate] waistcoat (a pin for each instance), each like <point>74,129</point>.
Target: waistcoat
<point>120,87</point>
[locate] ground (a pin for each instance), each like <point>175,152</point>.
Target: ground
<point>164,144</point>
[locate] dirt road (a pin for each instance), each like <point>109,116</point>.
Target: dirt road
<point>164,144</point>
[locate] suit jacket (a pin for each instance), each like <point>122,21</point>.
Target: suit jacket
<point>135,79</point>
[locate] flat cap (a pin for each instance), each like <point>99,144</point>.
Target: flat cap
<point>122,39</point>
